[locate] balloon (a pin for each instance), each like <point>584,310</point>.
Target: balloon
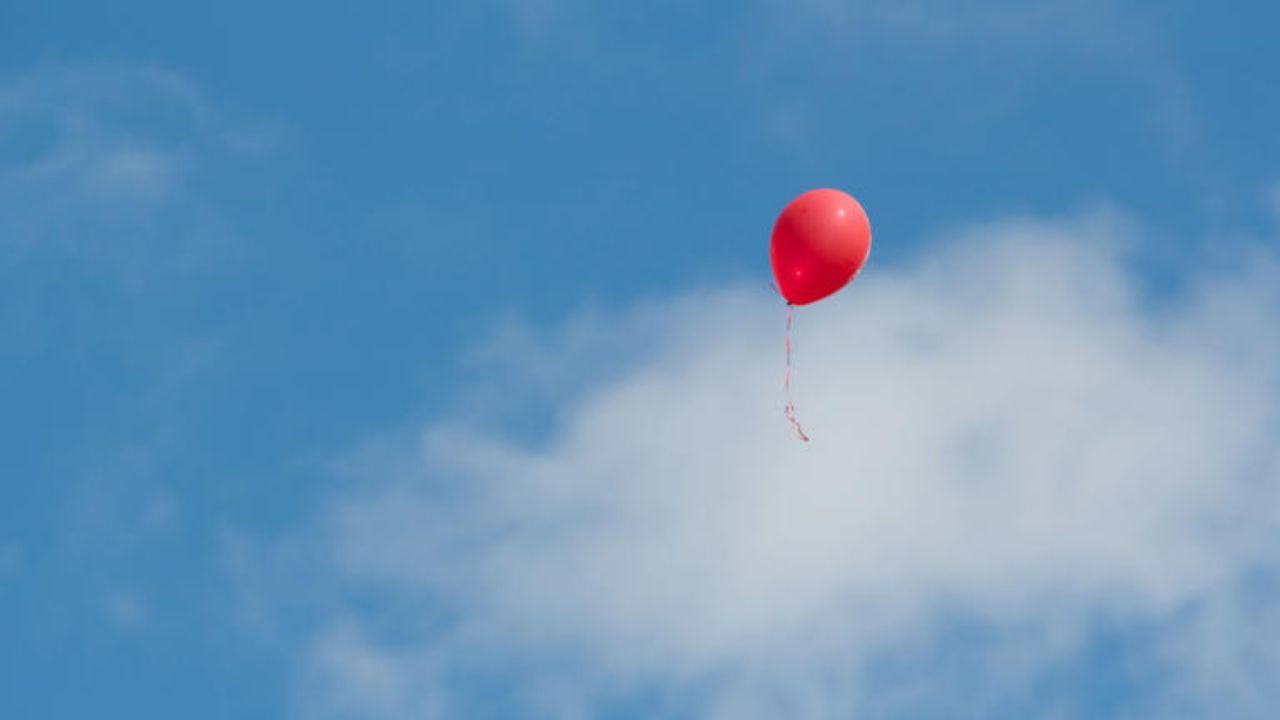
<point>819,243</point>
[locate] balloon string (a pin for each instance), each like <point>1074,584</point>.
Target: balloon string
<point>790,410</point>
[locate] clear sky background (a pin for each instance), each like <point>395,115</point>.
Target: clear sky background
<point>419,360</point>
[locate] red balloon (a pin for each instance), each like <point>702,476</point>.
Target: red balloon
<point>819,243</point>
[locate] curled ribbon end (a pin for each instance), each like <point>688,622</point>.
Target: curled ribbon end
<point>790,412</point>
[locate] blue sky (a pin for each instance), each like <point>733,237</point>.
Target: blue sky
<point>282,286</point>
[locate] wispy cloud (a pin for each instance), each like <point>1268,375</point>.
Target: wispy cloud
<point>105,172</point>
<point>368,681</point>
<point>952,67</point>
<point>978,61</point>
<point>104,210</point>
<point>1005,441</point>
<point>12,558</point>
<point>126,609</point>
<point>100,163</point>
<point>85,155</point>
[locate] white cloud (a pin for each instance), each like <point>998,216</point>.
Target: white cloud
<point>1011,435</point>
